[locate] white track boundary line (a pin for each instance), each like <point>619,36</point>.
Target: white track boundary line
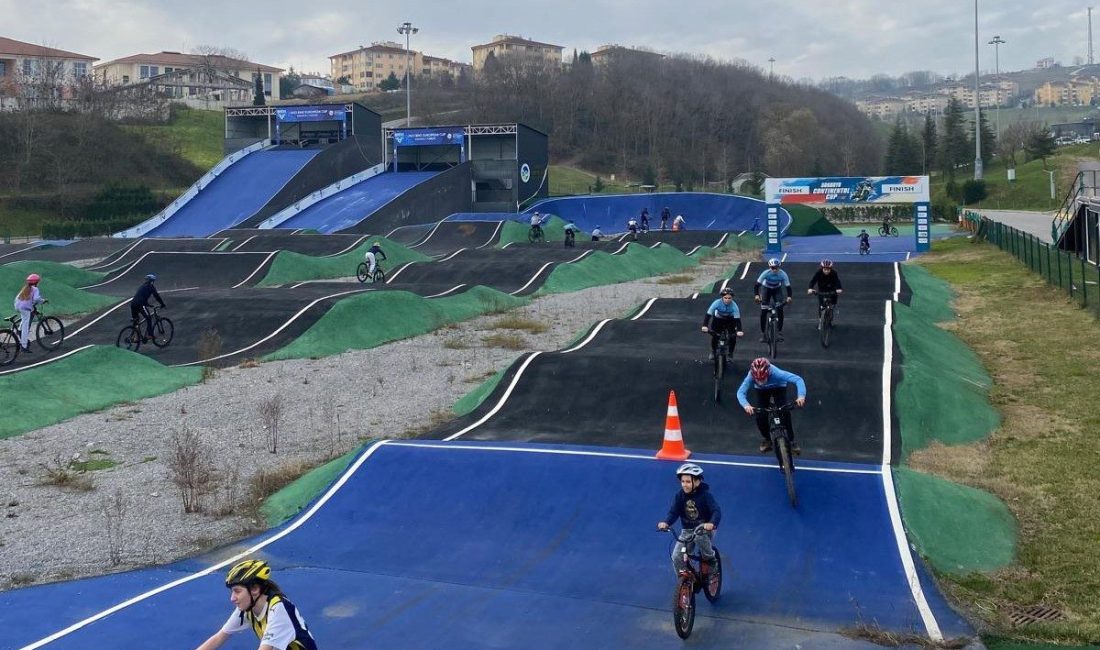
<point>533,278</point>
<point>356,243</point>
<point>588,339</point>
<point>621,248</point>
<point>644,309</point>
<point>507,245</point>
<point>451,255</point>
<point>904,553</point>
<point>96,267</point>
<point>269,336</point>
<point>398,272</point>
<point>692,251</point>
<point>45,361</point>
<point>695,295</point>
<point>121,304</point>
<point>425,240</point>
<point>126,268</point>
<point>609,454</point>
<point>22,250</point>
<point>500,403</point>
<point>722,240</point>
<point>257,269</point>
<point>500,224</point>
<point>745,271</point>
<point>784,259</point>
<point>451,290</point>
<point>897,281</point>
<point>741,233</point>
<point>725,283</point>
<point>240,245</point>
<point>297,523</point>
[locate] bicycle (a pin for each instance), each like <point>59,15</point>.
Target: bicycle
<point>695,577</point>
<point>771,329</point>
<point>570,239</point>
<point>49,331</point>
<point>9,346</point>
<point>722,358</point>
<point>825,316</point>
<point>883,231</point>
<point>132,336</point>
<point>864,248</point>
<point>781,444</point>
<point>535,235</point>
<point>362,273</point>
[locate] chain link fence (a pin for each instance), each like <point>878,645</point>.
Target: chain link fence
<point>1075,275</point>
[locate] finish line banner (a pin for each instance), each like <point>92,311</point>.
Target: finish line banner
<point>428,137</point>
<point>846,190</point>
<point>311,114</point>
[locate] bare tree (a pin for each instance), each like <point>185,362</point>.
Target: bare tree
<point>271,413</point>
<point>191,467</point>
<point>114,514</point>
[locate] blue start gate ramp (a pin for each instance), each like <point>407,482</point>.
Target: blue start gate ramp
<point>460,545</point>
<point>347,208</point>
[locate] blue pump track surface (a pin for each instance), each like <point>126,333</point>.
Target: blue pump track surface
<point>347,208</point>
<point>236,194</point>
<point>421,562</point>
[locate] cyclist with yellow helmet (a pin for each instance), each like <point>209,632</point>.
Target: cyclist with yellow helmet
<point>262,607</point>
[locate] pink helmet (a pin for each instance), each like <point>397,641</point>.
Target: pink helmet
<point>33,278</point>
<point>761,368</point>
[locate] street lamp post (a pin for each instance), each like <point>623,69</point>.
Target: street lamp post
<point>771,70</point>
<point>996,43</point>
<point>977,104</point>
<point>407,28</point>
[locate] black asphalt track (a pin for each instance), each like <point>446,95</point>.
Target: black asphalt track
<point>241,317</point>
<point>614,390</point>
<point>306,244</point>
<point>83,249</point>
<point>686,241</point>
<point>186,270</point>
<point>136,248</point>
<point>519,270</point>
<point>449,236</point>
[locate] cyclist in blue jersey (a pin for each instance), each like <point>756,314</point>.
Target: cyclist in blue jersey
<point>723,315</point>
<point>774,280</point>
<point>770,383</point>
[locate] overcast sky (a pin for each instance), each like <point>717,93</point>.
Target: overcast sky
<point>808,38</point>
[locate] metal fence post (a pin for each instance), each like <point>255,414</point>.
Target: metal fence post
<point>1084,285</point>
<point>1069,264</point>
<point>1048,247</point>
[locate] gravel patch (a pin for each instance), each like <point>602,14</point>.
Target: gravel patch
<point>131,515</point>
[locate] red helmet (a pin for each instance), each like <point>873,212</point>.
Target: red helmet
<point>761,368</point>
<point>33,278</point>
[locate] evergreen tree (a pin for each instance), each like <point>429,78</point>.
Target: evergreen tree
<point>893,147</point>
<point>390,83</point>
<point>1040,144</point>
<point>258,85</point>
<point>928,137</point>
<point>989,138</point>
<point>954,143</point>
<point>903,155</point>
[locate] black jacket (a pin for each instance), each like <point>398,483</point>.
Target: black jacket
<point>693,509</point>
<point>824,282</point>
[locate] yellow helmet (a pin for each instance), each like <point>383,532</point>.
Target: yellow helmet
<point>248,573</point>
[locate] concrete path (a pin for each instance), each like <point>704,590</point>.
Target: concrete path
<point>1036,223</point>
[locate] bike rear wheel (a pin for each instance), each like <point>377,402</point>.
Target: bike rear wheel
<point>683,608</point>
<point>129,338</point>
<point>361,272</point>
<point>9,346</point>
<point>163,331</point>
<point>50,332</point>
<point>782,445</point>
<point>712,582</point>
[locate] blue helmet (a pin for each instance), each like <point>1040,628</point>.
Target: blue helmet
<point>152,277</point>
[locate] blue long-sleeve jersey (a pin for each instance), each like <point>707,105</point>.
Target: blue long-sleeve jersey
<point>719,309</point>
<point>777,378</point>
<point>773,279</point>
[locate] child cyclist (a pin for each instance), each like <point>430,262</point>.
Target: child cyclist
<point>723,314</point>
<point>695,506</point>
<point>261,607</point>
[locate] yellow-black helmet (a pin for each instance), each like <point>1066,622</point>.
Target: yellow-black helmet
<point>248,573</point>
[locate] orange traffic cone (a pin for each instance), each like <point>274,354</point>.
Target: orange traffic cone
<point>673,447</point>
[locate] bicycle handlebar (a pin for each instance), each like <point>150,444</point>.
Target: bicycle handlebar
<point>698,530</point>
<point>776,409</point>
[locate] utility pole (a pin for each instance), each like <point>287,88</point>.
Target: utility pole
<point>407,28</point>
<point>977,104</point>
<point>1090,35</point>
<point>996,43</point>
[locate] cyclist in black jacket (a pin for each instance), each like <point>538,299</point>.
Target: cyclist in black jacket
<point>139,305</point>
<point>825,280</point>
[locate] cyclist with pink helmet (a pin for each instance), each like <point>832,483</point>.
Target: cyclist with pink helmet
<point>26,300</point>
<point>826,282</point>
<point>770,383</point>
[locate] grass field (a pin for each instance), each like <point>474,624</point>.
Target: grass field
<point>1040,461</point>
<point>194,134</point>
<point>569,181</point>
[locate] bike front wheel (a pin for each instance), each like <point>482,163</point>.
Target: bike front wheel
<point>361,272</point>
<point>163,331</point>
<point>379,276</point>
<point>782,445</point>
<point>893,231</point>
<point>9,346</point>
<point>683,608</point>
<point>50,332</point>
<point>773,339</point>
<point>719,372</point>
<point>712,582</point>
<point>129,338</point>
<point>826,326</point>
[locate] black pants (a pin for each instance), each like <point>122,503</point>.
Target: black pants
<point>767,295</point>
<point>569,239</point>
<point>137,311</point>
<point>717,326</point>
<point>772,397</point>
<point>822,298</point>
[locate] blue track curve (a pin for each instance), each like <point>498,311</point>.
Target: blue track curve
<point>242,189</point>
<point>701,211</point>
<point>347,208</point>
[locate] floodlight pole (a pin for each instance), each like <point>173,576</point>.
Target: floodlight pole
<point>996,43</point>
<point>977,104</point>
<point>407,28</point>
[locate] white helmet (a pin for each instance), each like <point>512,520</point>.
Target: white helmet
<point>774,262</point>
<point>690,469</point>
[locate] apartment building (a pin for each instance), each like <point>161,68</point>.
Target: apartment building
<point>207,80</point>
<point>507,45</point>
<point>607,53</point>
<point>366,67</point>
<point>996,94</point>
<point>1076,92</point>
<point>881,107</point>
<point>925,103</point>
<point>437,68</point>
<point>25,68</point>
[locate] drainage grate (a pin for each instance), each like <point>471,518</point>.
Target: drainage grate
<point>1024,616</point>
